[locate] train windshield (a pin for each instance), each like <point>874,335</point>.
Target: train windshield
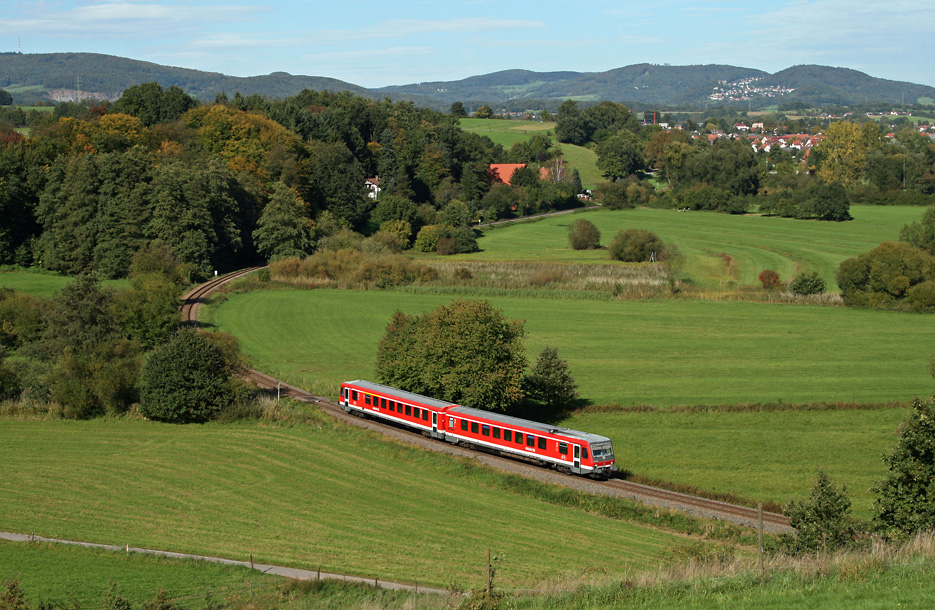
<point>602,452</point>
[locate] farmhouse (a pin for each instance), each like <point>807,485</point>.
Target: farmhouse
<point>373,187</point>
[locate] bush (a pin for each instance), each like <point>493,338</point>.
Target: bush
<point>807,282</point>
<point>635,246</point>
<point>186,380</point>
<point>882,277</point>
<point>549,382</point>
<point>769,279</point>
<point>427,239</point>
<point>822,520</point>
<point>583,235</point>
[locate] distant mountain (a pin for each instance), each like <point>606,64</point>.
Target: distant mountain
<point>59,75</point>
<point>32,76</point>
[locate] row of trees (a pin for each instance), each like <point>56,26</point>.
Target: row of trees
<point>224,184</point>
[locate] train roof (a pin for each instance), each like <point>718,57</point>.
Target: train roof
<point>401,394</point>
<point>517,422</point>
<point>505,420</point>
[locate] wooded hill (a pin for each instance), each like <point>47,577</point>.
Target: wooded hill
<point>31,76</point>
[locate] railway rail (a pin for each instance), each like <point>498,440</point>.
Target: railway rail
<point>656,496</point>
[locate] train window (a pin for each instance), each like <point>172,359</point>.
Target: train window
<point>354,395</point>
<point>519,438</point>
<point>464,424</point>
<point>474,427</point>
<point>425,414</point>
<point>382,403</point>
<point>507,435</point>
<point>541,442</point>
<point>485,430</point>
<point>496,432</point>
<point>530,440</point>
<point>451,423</point>
<point>367,398</point>
<point>416,412</point>
<point>563,448</point>
<point>408,410</point>
<point>584,452</point>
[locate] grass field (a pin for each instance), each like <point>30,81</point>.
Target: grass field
<point>55,573</point>
<point>302,496</point>
<point>45,284</point>
<point>753,243</point>
<point>664,353</point>
<point>507,133</point>
<point>761,455</point>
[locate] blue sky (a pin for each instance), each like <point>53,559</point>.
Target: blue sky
<point>377,43</point>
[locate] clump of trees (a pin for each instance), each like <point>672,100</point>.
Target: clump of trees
<point>894,275</point>
<point>469,353</point>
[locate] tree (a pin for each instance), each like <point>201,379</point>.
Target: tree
<point>465,352</point>
<point>583,235</point>
<point>457,109</point>
<point>807,282</point>
<point>5,98</point>
<point>921,234</point>
<point>620,155</point>
<point>549,382</point>
<point>841,155</point>
<point>186,380</point>
<point>883,277</point>
<point>635,246</point>
<point>571,126</point>
<point>149,310</point>
<point>822,520</point>
<point>484,112</point>
<point>906,502</point>
<point>284,228</point>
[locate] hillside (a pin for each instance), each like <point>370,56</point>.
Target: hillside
<point>30,77</point>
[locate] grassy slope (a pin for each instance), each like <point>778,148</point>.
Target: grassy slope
<point>61,573</point>
<point>507,133</point>
<point>303,496</point>
<point>627,352</point>
<point>754,242</point>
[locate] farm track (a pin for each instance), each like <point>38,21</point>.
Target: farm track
<point>702,507</point>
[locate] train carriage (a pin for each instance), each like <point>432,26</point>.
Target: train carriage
<point>561,448</point>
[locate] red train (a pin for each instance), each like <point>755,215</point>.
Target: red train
<point>566,450</point>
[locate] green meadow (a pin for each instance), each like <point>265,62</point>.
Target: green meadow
<point>45,284</point>
<point>663,354</point>
<point>720,250</point>
<point>62,574</point>
<point>507,133</point>
<point>304,496</point>
<point>658,353</point>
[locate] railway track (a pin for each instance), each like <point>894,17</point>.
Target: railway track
<point>656,496</point>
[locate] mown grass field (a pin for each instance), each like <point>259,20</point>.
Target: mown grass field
<point>56,573</point>
<point>706,239</point>
<point>304,496</point>
<point>663,353</point>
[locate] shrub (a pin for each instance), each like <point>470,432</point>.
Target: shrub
<point>613,196</point>
<point>769,279</point>
<point>822,520</point>
<point>401,228</point>
<point>427,239</point>
<point>186,380</point>
<point>549,382</point>
<point>807,282</point>
<point>583,235</point>
<point>635,246</point>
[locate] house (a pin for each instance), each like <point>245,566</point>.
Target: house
<point>373,186</point>
<point>503,172</point>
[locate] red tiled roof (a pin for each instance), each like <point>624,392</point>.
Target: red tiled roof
<point>499,170</point>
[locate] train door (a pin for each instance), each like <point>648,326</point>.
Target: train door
<point>435,432</point>
<point>576,463</point>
